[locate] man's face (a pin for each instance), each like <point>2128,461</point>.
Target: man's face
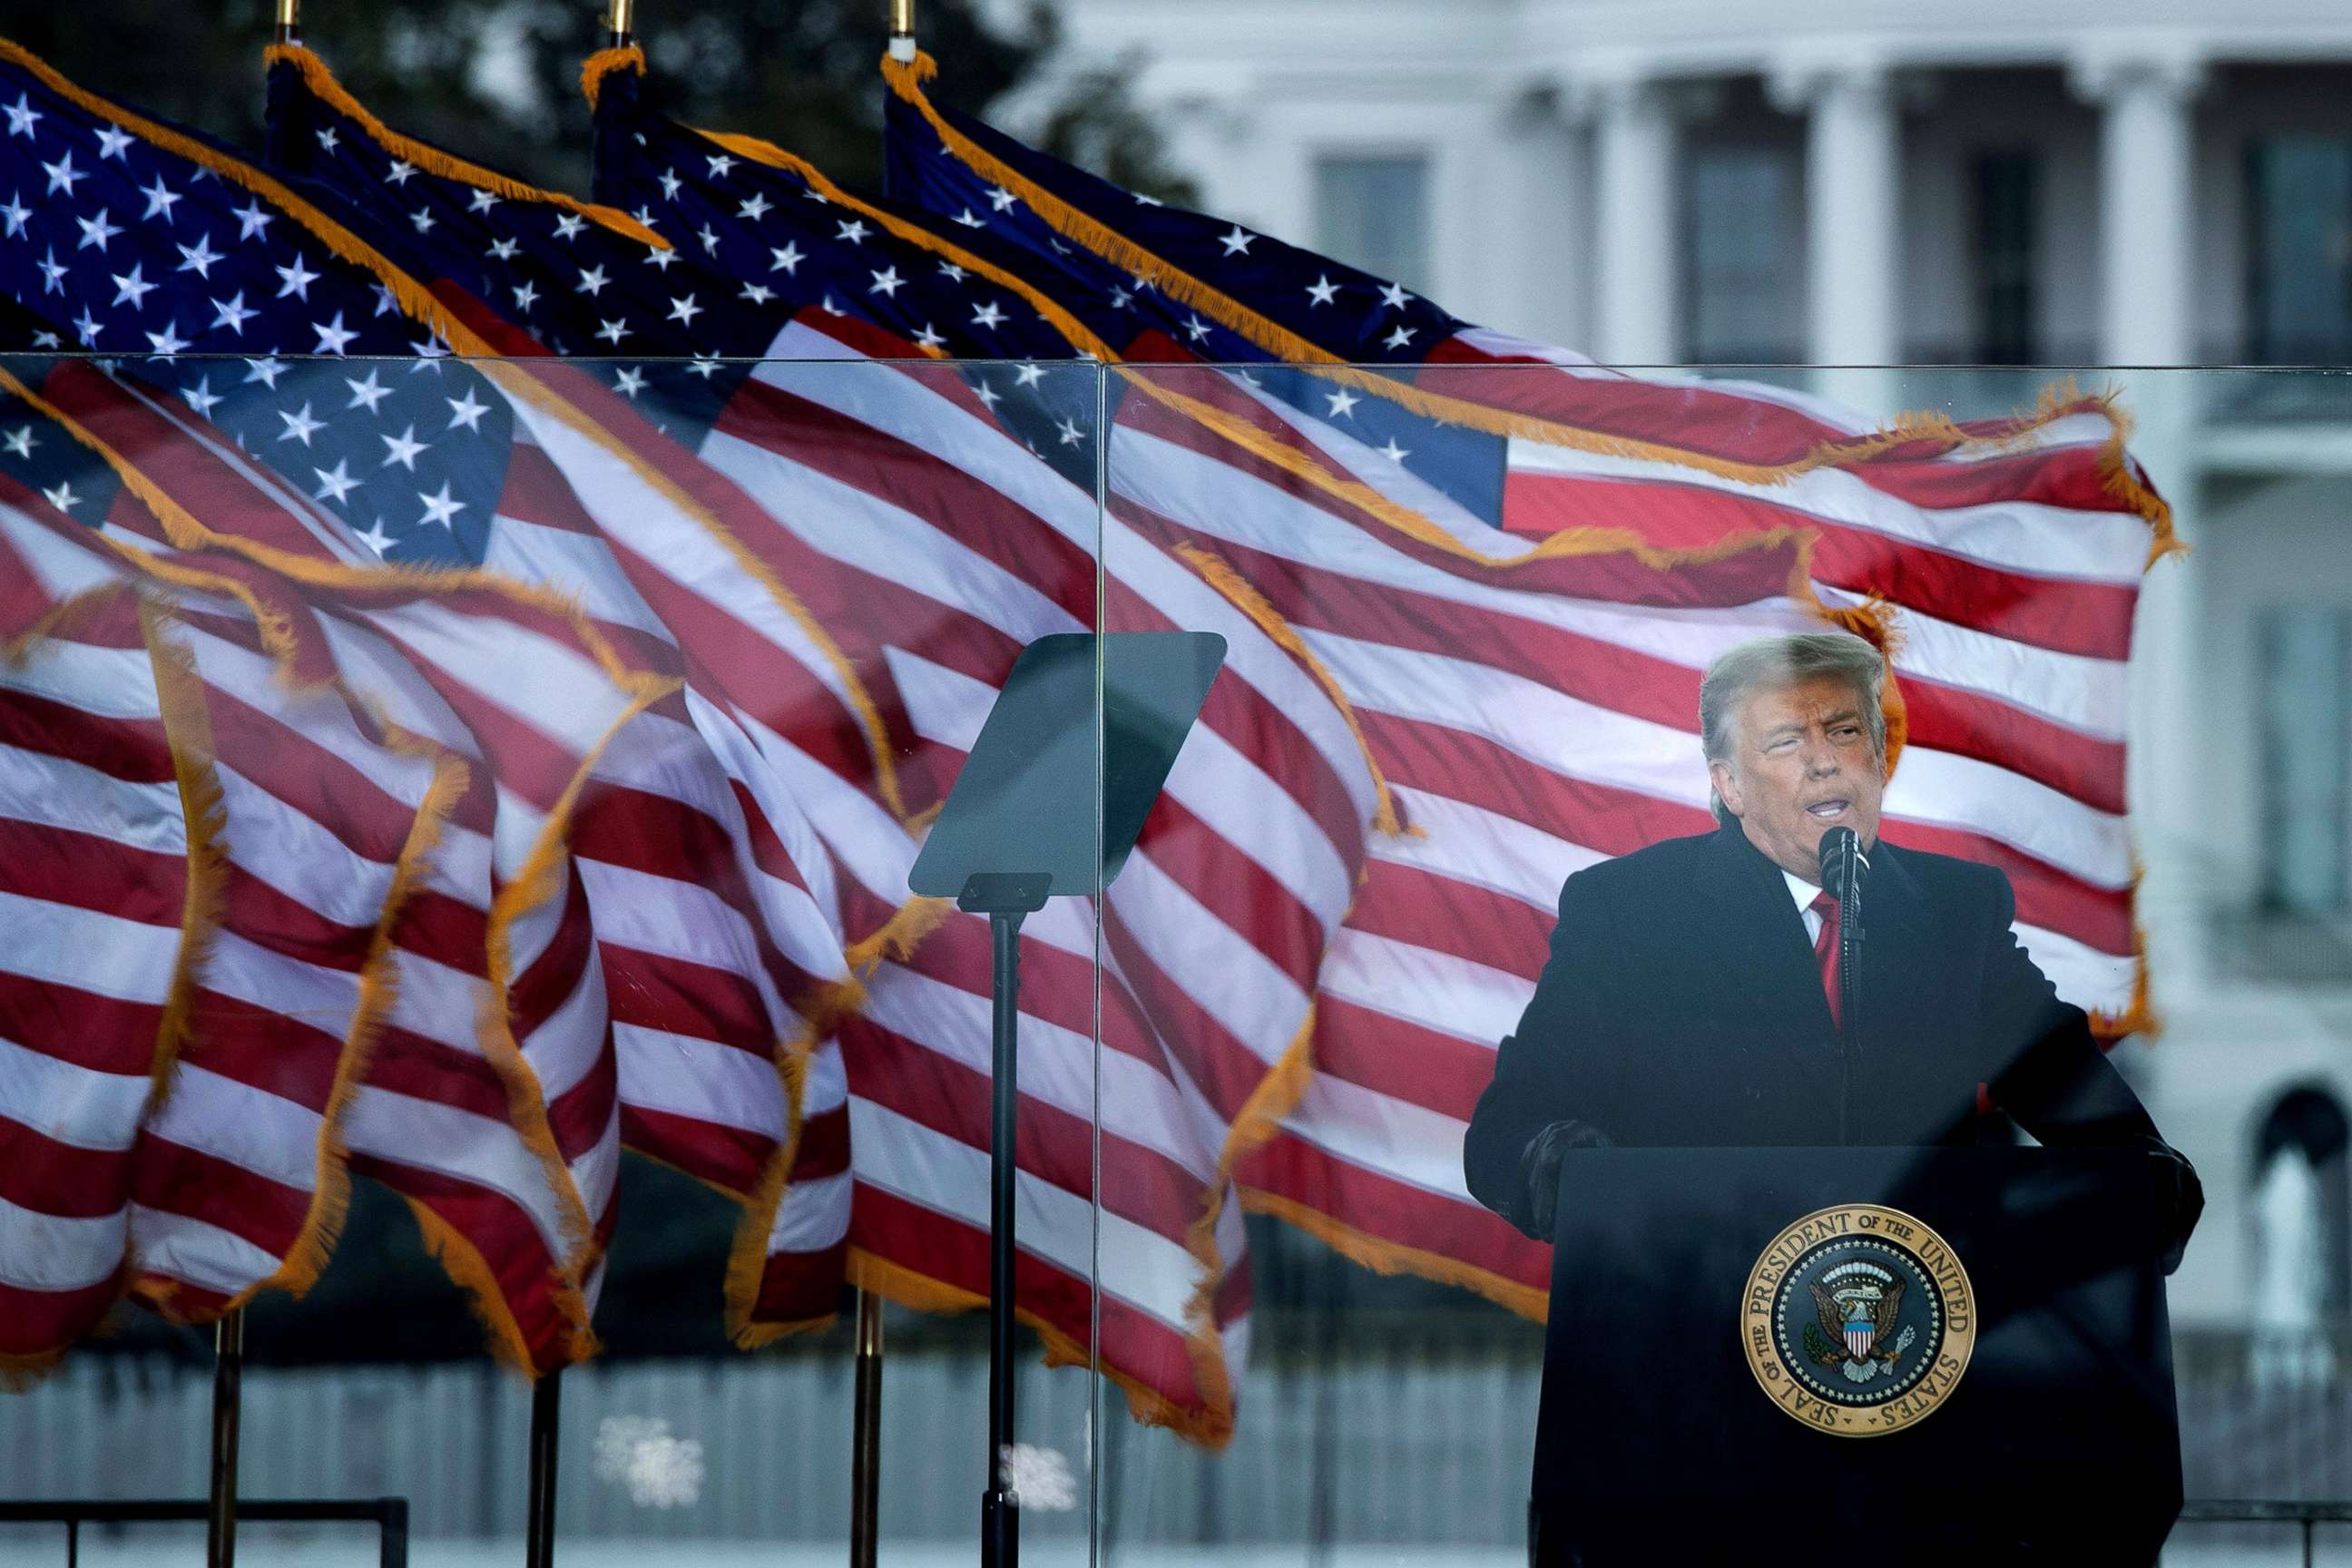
<point>1802,763</point>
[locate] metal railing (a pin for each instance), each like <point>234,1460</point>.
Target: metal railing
<point>389,1514</point>
<point>2261,1510</point>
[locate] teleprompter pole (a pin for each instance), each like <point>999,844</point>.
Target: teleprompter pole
<point>228,1378</point>
<point>999,1507</point>
<point>865,1442</point>
<point>546,1404</point>
<point>1006,897</point>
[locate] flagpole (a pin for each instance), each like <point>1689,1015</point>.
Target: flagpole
<point>902,50</point>
<point>621,25</point>
<point>546,1396</point>
<point>289,21</point>
<point>865,1442</point>
<point>228,1376</point>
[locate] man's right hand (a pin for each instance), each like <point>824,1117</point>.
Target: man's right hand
<point>1539,1171</point>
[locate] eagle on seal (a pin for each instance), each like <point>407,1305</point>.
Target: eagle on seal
<point>1858,1315</point>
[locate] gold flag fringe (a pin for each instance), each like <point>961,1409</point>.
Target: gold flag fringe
<point>747,1259</point>
<point>486,1298</point>
<point>378,991</point>
<point>535,882</point>
<point>540,877</point>
<point>1212,1426</point>
<point>1392,1258</point>
<point>187,731</point>
<point>432,160</point>
<point>904,78</point>
<point>1277,1094</point>
<point>414,298</point>
<point>416,301</point>
<point>899,935</point>
<point>604,63</point>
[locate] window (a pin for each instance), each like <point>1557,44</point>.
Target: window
<point>2306,762</point>
<point>2299,262</point>
<point>2006,187</point>
<point>1373,213</point>
<point>1742,230</point>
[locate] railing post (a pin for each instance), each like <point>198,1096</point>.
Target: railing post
<point>539,1546</point>
<point>392,1534</point>
<point>866,1441</point>
<point>228,1376</point>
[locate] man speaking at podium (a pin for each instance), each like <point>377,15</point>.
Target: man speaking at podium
<point>1692,998</point>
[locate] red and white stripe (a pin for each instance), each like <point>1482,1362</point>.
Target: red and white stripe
<point>492,1108</point>
<point>2016,573</point>
<point>1528,720</point>
<point>1527,733</point>
<point>1214,933</point>
<point>93,890</point>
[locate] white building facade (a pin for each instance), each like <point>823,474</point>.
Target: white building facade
<point>1853,183</point>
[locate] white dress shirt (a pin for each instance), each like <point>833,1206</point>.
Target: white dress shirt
<point>1804,893</point>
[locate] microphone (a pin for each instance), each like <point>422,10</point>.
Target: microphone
<point>1843,867</point>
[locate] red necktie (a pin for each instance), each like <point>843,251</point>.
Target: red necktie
<point>1825,948</point>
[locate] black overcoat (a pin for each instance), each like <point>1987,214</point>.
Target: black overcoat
<point>1683,1005</point>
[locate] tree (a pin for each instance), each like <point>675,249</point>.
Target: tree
<point>498,80</point>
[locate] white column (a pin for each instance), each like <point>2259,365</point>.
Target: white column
<point>1536,266</point>
<point>2144,160</point>
<point>2146,319</point>
<point>1634,156</point>
<point>1852,212</point>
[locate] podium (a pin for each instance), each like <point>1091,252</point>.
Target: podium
<point>1750,1357</point>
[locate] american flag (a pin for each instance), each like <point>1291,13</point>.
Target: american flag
<point>1191,470</point>
<point>2008,553</point>
<point>95,883</point>
<point>922,484</point>
<point>488,1097</point>
<point>337,951</point>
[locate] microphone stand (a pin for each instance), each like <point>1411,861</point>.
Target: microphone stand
<point>1842,865</point>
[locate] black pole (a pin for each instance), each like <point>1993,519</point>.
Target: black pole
<point>228,1378</point>
<point>546,1400</point>
<point>1000,1504</point>
<point>866,1440</point>
<point>1849,996</point>
<point>1843,865</point>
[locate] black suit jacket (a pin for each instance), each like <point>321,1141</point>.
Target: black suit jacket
<point>1682,1005</point>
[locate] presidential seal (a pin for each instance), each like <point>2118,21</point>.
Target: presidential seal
<point>1858,1320</point>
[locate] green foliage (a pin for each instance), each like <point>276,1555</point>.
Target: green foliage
<point>199,61</point>
<point>499,80</point>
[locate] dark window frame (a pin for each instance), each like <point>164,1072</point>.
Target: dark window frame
<point>2266,341</point>
<point>2005,193</point>
<point>1696,348</point>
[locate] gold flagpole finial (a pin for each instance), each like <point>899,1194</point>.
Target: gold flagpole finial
<point>289,21</point>
<point>621,24</point>
<point>902,30</point>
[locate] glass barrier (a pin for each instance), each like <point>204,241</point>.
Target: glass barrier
<point>1454,793</point>
<point>459,818</point>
